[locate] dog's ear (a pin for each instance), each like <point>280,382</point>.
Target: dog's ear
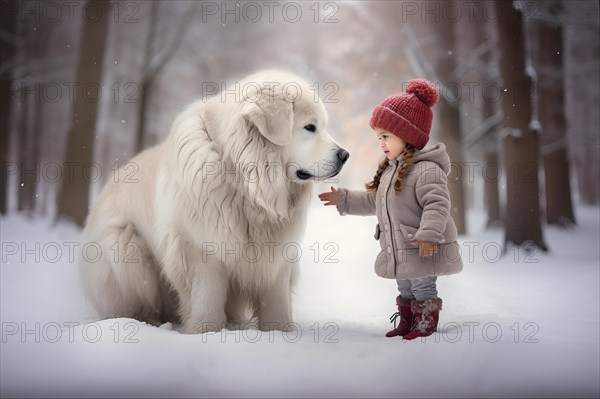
<point>272,114</point>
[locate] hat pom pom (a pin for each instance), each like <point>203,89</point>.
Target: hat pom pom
<point>424,90</point>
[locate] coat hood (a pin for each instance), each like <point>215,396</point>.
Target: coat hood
<point>436,154</point>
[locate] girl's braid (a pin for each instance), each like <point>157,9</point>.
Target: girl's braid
<point>372,185</point>
<point>409,152</point>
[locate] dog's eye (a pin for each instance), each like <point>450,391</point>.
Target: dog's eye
<point>310,127</point>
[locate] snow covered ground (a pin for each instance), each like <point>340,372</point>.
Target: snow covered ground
<point>518,325</point>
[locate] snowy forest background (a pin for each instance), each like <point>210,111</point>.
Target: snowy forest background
<point>86,86</point>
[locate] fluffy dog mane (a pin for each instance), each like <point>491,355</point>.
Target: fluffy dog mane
<point>253,165</point>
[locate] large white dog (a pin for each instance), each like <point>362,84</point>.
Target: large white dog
<point>204,232</point>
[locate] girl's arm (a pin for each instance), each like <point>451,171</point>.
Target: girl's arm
<point>350,202</point>
<point>434,198</point>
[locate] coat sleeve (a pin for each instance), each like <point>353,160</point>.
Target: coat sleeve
<point>434,198</point>
<point>356,202</point>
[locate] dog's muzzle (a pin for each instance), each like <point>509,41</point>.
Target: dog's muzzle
<point>343,155</point>
<point>341,158</point>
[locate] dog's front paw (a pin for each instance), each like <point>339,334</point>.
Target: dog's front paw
<point>242,325</point>
<point>280,326</point>
<point>200,328</point>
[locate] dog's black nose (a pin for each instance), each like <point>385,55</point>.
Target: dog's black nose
<point>343,155</point>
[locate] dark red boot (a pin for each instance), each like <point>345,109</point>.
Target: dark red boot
<point>425,318</point>
<point>406,317</point>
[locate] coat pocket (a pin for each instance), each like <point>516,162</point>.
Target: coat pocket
<point>377,232</point>
<point>408,232</point>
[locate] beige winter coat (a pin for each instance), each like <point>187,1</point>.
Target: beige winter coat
<point>421,211</point>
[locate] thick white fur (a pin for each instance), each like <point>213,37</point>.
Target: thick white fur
<point>197,234</point>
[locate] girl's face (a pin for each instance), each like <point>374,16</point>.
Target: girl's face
<point>391,145</point>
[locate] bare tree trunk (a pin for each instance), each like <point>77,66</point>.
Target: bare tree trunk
<point>7,54</point>
<point>449,121</point>
<point>147,79</point>
<point>30,132</point>
<point>521,150</point>
<point>449,118</point>
<point>27,152</point>
<point>582,73</point>
<point>490,108</point>
<point>74,194</point>
<point>154,62</point>
<point>559,208</point>
<point>37,137</point>
<point>27,162</point>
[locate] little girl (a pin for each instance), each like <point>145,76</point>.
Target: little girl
<point>409,195</point>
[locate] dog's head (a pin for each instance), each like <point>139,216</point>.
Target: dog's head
<point>273,128</point>
<point>287,112</point>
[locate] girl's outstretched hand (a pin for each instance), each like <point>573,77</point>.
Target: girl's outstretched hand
<point>330,198</point>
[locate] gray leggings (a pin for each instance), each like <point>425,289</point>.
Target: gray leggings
<point>418,288</point>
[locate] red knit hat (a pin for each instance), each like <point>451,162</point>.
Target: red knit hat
<point>408,115</point>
